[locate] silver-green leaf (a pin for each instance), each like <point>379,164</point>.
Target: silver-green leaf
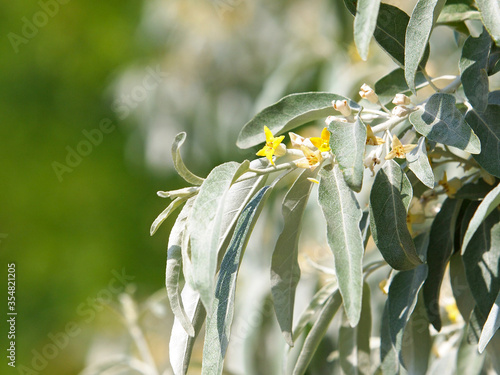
<point>490,15</point>
<point>418,162</point>
<point>394,83</point>
<point>440,121</point>
<point>389,201</point>
<point>285,271</point>
<point>221,316</point>
<point>364,25</point>
<point>204,229</point>
<point>491,326</point>
<point>343,214</point>
<point>418,33</point>
<point>348,142</point>
<point>288,113</point>
<point>179,165</point>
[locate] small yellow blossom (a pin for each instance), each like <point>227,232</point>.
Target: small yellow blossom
<point>371,139</point>
<point>298,141</point>
<point>398,150</point>
<point>311,160</point>
<point>452,311</point>
<point>313,180</point>
<point>450,187</point>
<point>322,143</point>
<point>272,144</point>
<point>384,286</point>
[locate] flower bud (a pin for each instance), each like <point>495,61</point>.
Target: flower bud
<point>331,119</point>
<point>368,93</point>
<point>401,99</point>
<point>400,111</point>
<point>280,150</point>
<point>342,106</point>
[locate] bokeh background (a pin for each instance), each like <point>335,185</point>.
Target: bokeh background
<point>146,70</point>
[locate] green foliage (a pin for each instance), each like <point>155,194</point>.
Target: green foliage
<point>429,232</point>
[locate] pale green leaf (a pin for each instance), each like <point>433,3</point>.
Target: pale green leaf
<point>417,343</point>
<point>181,344</point>
<point>485,125</point>
<point>285,271</point>
<point>185,173</point>
<point>469,361</point>
<point>317,333</point>
<point>490,15</point>
<point>482,262</point>
<point>491,326</point>
<point>389,361</point>
<point>394,83</point>
<point>489,203</point>
<point>343,214</point>
<point>348,142</point>
<point>364,25</point>
<point>354,342</point>
<point>288,113</point>
<point>174,268</point>
<point>165,214</point>
<point>440,121</point>
<point>460,288</point>
<point>221,316</point>
<point>473,70</point>
<point>389,201</point>
<point>438,255</point>
<point>457,11</point>
<point>204,229</point>
<point>417,37</point>
<point>317,302</point>
<point>418,162</point>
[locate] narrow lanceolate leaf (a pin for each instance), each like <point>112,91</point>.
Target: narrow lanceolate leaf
<point>174,268</point>
<point>482,262</point>
<point>460,288</point>
<point>221,317</point>
<point>317,333</point>
<point>473,70</point>
<point>394,83</point>
<point>288,113</point>
<point>469,361</point>
<point>438,255</point>
<point>179,165</point>
<point>204,230</point>
<point>418,162</point>
<point>403,294</point>
<point>181,344</point>
<point>389,200</point>
<point>354,342</point>
<point>474,191</point>
<point>343,214</point>
<point>489,203</point>
<point>165,214</point>
<point>490,15</point>
<point>389,361</point>
<point>485,125</point>
<point>285,271</point>
<point>316,304</point>
<point>440,121</point>
<point>491,326</point>
<point>364,25</point>
<point>348,145</point>
<point>418,33</point>
<point>417,342</point>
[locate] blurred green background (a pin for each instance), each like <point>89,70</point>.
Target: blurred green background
<point>151,68</point>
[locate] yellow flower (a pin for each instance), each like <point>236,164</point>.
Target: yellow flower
<point>371,139</point>
<point>452,311</point>
<point>450,187</point>
<point>398,150</point>
<point>311,160</point>
<point>272,144</point>
<point>322,143</point>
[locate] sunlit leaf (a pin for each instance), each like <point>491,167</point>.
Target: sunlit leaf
<point>204,230</point>
<point>285,271</point>
<point>354,342</point>
<point>417,37</point>
<point>389,201</point>
<point>348,142</point>
<point>288,113</point>
<point>364,24</point>
<point>491,326</point>
<point>179,165</point>
<point>438,255</point>
<point>418,162</point>
<point>221,316</point>
<point>490,15</point>
<point>440,121</point>
<point>485,125</point>
<point>469,361</point>
<point>165,214</point>
<point>458,11</point>
<point>473,70</point>
<point>343,214</point>
<point>394,83</point>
